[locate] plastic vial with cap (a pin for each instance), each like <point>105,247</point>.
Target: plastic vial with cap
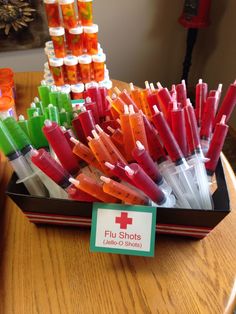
<point>76,40</point>
<point>71,69</point>
<point>52,12</point>
<point>57,35</point>
<point>77,91</point>
<point>85,65</point>
<point>57,70</point>
<point>91,39</point>
<point>85,10</point>
<point>99,66</point>
<point>68,13</point>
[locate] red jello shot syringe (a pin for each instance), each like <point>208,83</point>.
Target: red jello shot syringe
<point>145,184</point>
<point>227,105</point>
<point>61,147</point>
<point>184,176</point>
<point>207,123</point>
<point>201,96</point>
<point>216,145</point>
<point>178,127</point>
<point>181,93</point>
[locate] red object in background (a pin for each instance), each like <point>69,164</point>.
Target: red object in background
<point>196,14</point>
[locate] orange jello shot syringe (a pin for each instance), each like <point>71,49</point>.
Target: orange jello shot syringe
<point>137,126</point>
<point>125,97</point>
<point>85,153</point>
<point>117,103</point>
<point>135,95</point>
<point>92,187</point>
<point>113,151</point>
<point>123,192</point>
<point>129,143</point>
<point>99,150</point>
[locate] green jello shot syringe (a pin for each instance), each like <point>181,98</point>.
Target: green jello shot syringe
<point>19,163</point>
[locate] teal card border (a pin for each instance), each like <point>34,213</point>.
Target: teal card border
<point>137,208</point>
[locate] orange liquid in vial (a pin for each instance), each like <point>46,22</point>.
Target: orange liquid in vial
<point>52,12</point>
<point>85,10</point>
<point>68,15</point>
<point>59,46</point>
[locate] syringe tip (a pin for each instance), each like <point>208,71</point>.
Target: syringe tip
<point>50,106</point>
<point>74,140</point>
<point>105,179</point>
<point>48,123</point>
<point>35,114</point>
<point>95,135</point>
<point>175,105</point>
<point>140,145</point>
<point>34,152</point>
<point>109,165</point>
<point>62,110</point>
<point>97,126</point>
<point>131,109</point>
<point>219,89</point>
<point>223,119</point>
<point>116,89</point>
<point>131,86</point>
<point>36,99</point>
<point>110,129</point>
<point>126,109</point>
<point>147,85</point>
<point>21,117</point>
<point>188,102</point>
<point>89,138</point>
<point>109,99</point>
<point>63,128</point>
<point>156,110</point>
<point>129,170</point>
<point>159,86</point>
<point>152,87</point>
<point>74,181</point>
<point>200,81</point>
<point>33,105</point>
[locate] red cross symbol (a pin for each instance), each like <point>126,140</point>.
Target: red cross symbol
<point>123,220</point>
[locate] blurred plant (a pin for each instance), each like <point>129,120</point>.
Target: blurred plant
<point>15,14</point>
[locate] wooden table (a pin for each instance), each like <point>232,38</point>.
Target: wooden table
<point>51,270</point>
